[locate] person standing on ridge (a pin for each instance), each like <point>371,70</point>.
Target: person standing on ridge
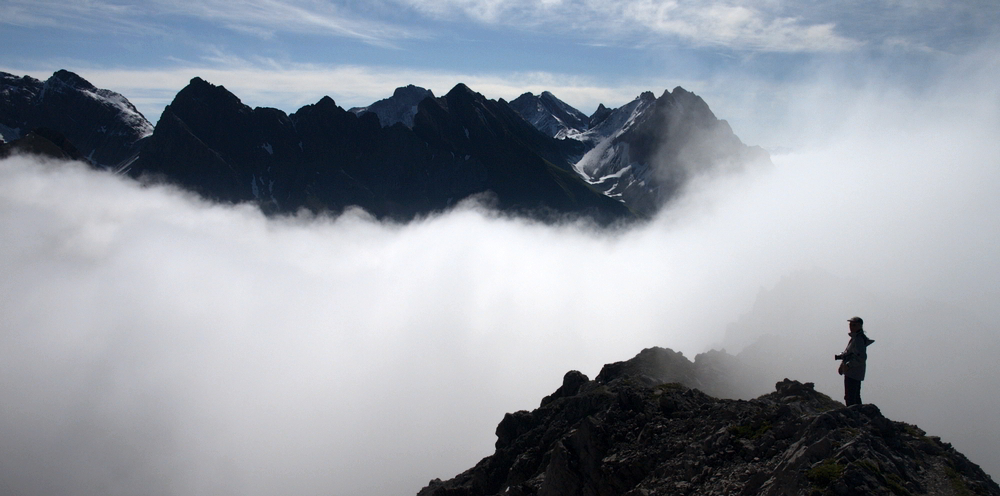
<point>854,359</point>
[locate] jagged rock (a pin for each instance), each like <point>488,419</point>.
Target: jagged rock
<point>624,433</point>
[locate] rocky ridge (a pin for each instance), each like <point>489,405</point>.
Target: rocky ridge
<point>635,430</point>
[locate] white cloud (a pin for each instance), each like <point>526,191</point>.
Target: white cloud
<point>208,350</point>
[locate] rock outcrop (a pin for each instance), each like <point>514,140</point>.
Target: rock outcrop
<point>629,433</point>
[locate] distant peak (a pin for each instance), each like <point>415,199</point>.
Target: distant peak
<point>201,91</point>
<point>71,79</point>
<point>412,91</point>
<point>461,88</point>
<point>202,85</point>
<point>647,95</point>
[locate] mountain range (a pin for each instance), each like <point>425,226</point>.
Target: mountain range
<point>408,155</point>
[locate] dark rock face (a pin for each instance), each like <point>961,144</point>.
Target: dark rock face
<point>323,157</point>
<point>103,125</point>
<point>626,433</point>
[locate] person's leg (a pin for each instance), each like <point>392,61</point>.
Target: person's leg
<point>852,391</point>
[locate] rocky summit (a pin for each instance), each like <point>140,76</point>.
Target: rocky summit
<point>628,432</point>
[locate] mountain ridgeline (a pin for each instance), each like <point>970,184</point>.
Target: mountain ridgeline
<point>647,426</point>
<point>408,155</point>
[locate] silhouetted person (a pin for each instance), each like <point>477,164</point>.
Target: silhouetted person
<point>854,360</point>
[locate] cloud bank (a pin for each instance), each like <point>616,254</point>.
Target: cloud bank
<point>154,343</point>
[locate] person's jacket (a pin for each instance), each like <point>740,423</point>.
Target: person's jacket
<point>855,356</point>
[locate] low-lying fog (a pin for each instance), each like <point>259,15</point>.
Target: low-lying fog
<point>152,343</point>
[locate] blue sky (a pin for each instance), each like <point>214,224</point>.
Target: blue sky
<point>740,56</point>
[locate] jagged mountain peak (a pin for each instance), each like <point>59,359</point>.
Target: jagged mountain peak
<point>411,91</point>
<point>326,101</point>
<point>102,124</point>
<point>550,115</point>
<point>462,90</point>
<point>199,91</point>
<point>70,79</point>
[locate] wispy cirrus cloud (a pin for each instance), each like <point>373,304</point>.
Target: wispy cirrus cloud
<point>75,14</point>
<point>298,16</point>
<point>262,18</point>
<point>781,26</point>
<point>701,23</point>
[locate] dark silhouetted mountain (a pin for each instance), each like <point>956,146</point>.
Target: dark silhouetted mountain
<point>323,157</point>
<point>640,429</point>
<point>103,125</point>
<point>400,107</point>
<point>644,152</point>
<point>598,116</point>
